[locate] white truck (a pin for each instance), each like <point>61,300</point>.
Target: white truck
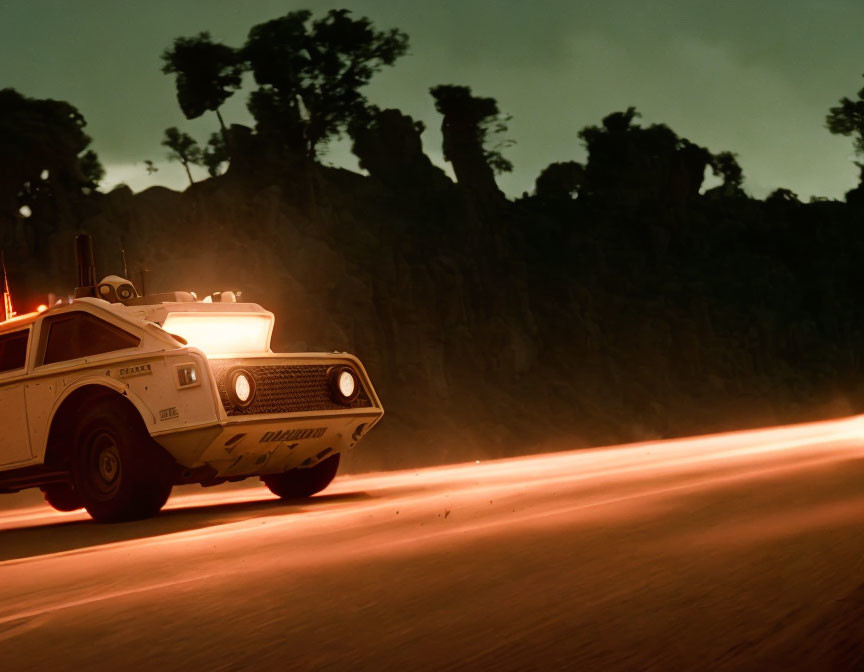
<point>109,400</point>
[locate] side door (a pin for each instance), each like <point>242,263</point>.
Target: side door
<point>14,435</point>
<point>65,343</point>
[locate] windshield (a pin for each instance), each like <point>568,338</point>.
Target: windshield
<point>222,334</point>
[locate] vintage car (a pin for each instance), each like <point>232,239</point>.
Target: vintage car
<point>109,400</point>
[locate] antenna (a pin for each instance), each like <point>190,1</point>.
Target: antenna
<point>145,273</point>
<point>86,266</point>
<point>125,268</point>
<point>8,313</point>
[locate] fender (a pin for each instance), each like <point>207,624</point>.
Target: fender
<point>367,381</point>
<point>96,381</point>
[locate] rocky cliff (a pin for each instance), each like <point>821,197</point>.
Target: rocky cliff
<point>494,328</point>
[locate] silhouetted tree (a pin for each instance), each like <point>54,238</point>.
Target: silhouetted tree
<point>725,166</point>
<point>92,169</point>
<point>183,149</point>
<point>782,195</point>
<point>207,74</point>
<point>215,154</point>
<point>388,145</point>
<point>45,162</point>
<point>855,196</point>
<point>617,122</point>
<point>311,74</point>
<point>689,173</point>
<point>847,119</point>
<point>472,127</point>
<point>279,120</point>
<point>629,164</point>
<point>560,180</point>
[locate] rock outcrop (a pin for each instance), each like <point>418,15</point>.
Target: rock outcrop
<point>549,323</point>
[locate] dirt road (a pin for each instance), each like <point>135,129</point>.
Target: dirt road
<point>738,551</point>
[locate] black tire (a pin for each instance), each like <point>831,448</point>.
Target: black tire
<point>62,497</point>
<point>302,483</point>
<point>118,470</point>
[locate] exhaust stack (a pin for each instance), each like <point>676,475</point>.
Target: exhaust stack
<point>86,266</point>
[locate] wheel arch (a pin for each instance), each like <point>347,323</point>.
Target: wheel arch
<point>69,407</point>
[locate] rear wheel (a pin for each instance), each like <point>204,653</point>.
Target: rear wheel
<point>301,483</point>
<point>118,471</point>
<point>62,497</point>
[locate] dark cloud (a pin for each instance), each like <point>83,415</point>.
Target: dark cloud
<point>754,78</point>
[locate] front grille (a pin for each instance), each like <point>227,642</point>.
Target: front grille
<point>284,388</point>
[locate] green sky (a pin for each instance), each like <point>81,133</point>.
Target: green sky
<point>752,77</point>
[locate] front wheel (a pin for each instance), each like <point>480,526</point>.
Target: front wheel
<point>117,468</point>
<point>302,483</point>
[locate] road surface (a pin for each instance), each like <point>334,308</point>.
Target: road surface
<point>737,551</point>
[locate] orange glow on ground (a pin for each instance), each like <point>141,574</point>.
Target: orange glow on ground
<point>669,553</point>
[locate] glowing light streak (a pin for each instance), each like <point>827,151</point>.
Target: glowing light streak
<point>8,312</point>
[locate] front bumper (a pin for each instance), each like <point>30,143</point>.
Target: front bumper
<point>292,422</point>
<point>255,445</point>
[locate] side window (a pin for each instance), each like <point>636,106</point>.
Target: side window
<point>13,350</point>
<point>79,334</point>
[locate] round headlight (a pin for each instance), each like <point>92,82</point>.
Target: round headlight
<point>347,384</point>
<point>343,385</point>
<point>241,388</point>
